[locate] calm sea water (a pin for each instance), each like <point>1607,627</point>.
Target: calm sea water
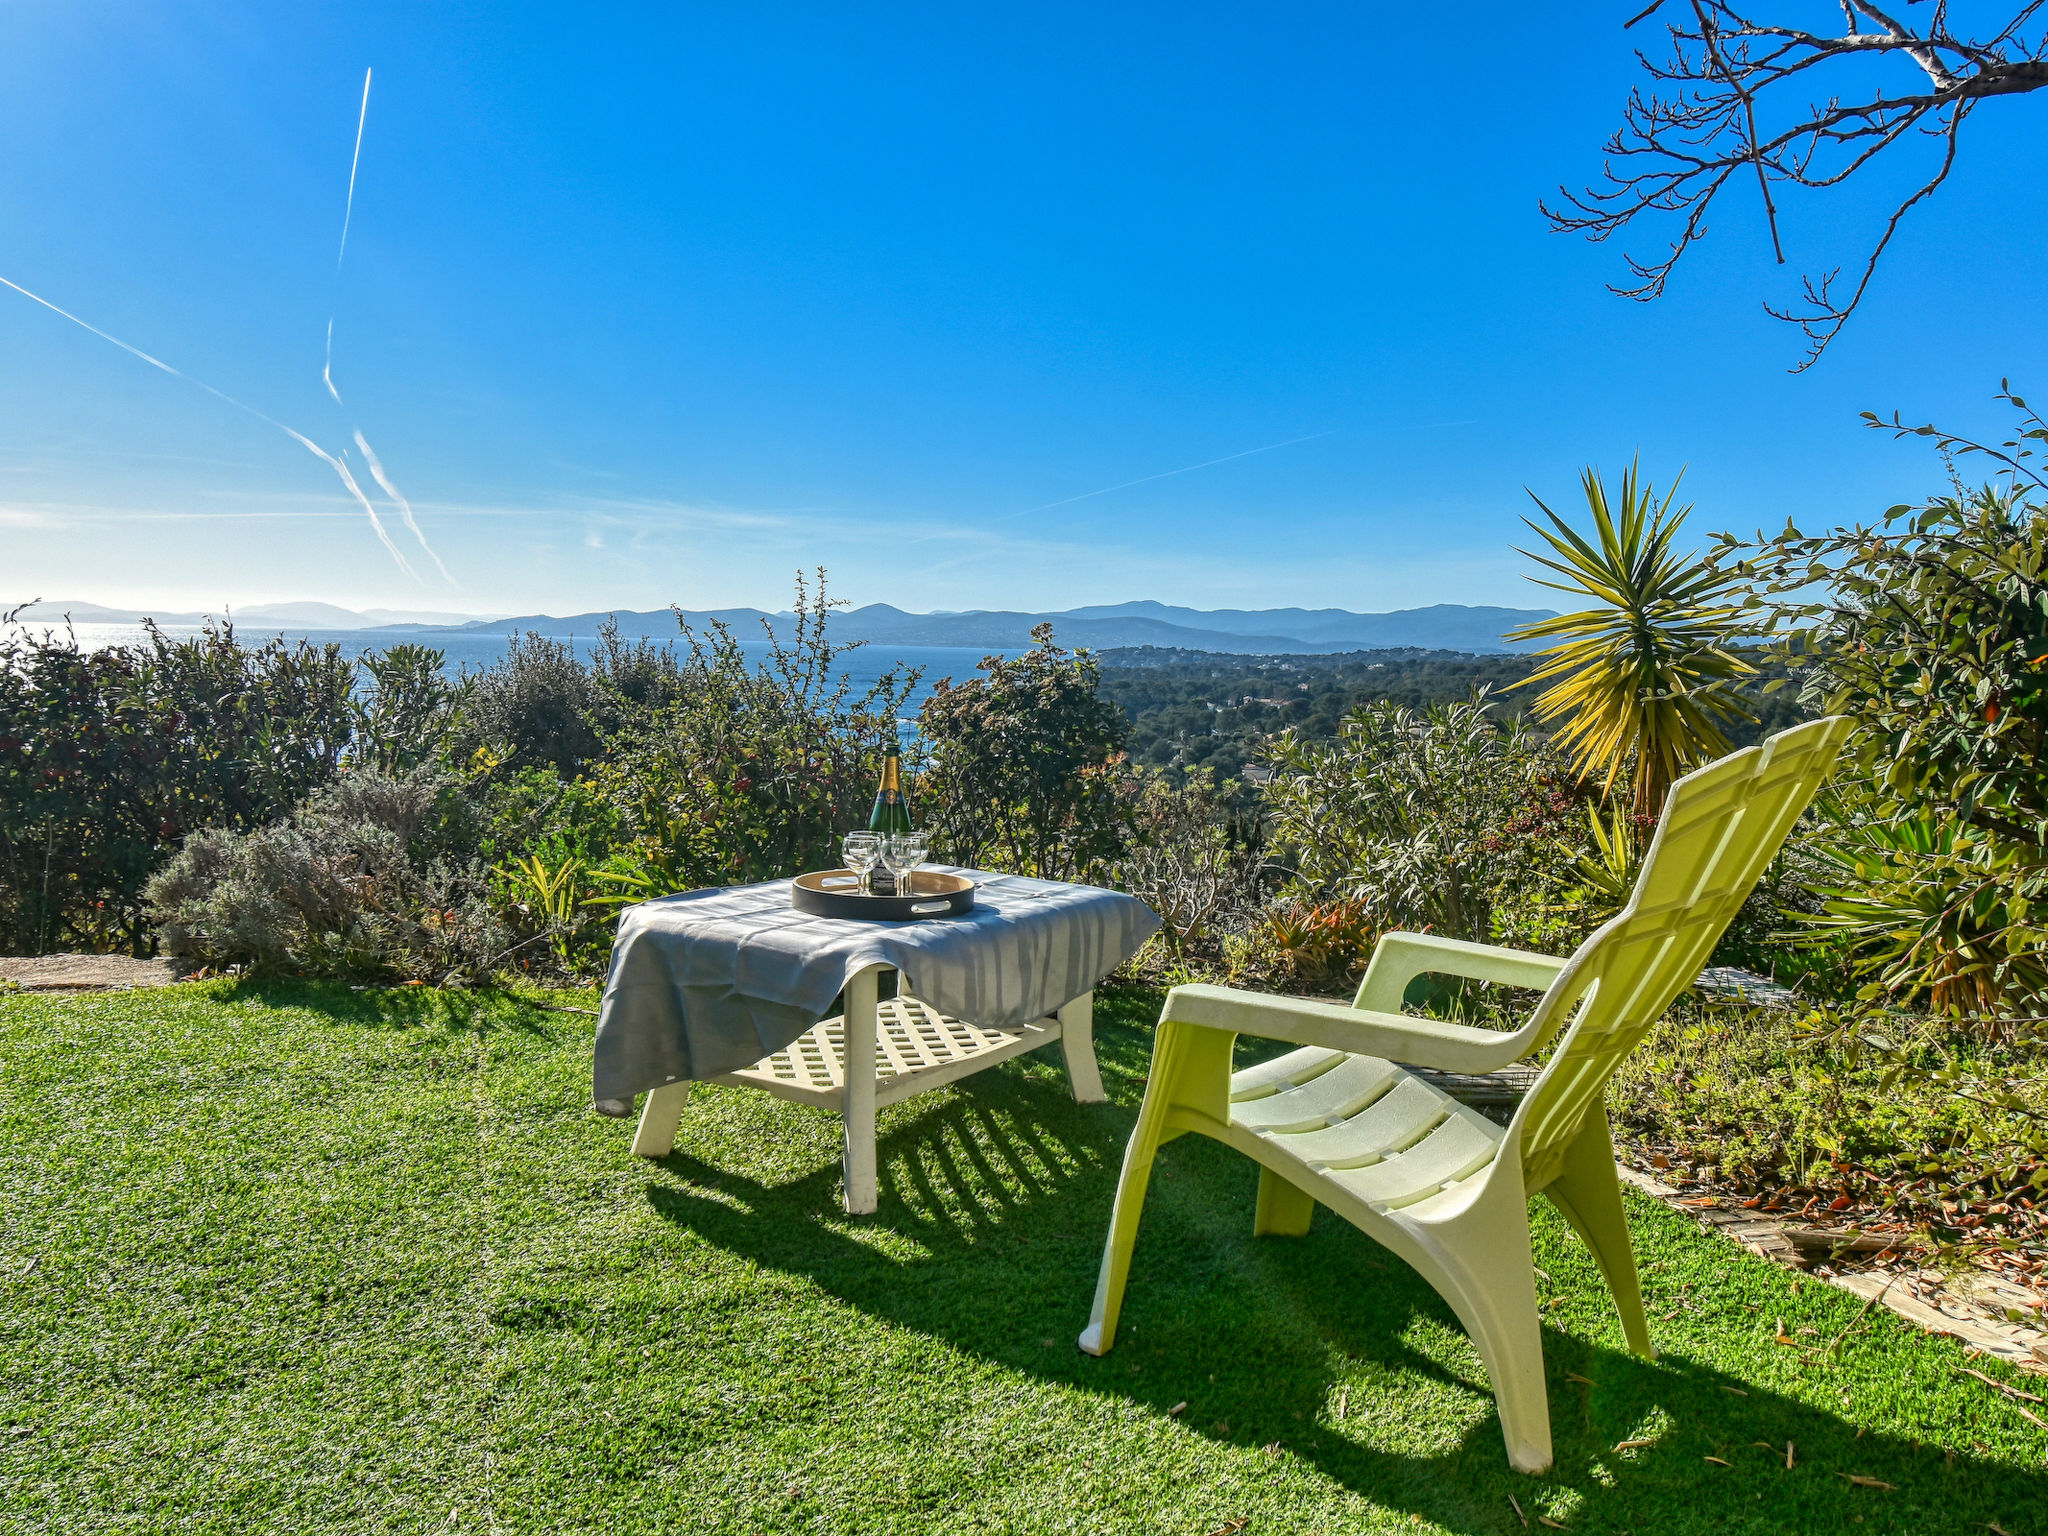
<point>473,653</point>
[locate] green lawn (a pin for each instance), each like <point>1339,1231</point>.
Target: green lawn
<point>296,1258</point>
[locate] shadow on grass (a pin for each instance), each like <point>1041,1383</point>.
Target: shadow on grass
<point>398,1007</point>
<point>994,1201</point>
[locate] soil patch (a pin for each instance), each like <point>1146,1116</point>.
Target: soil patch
<point>84,973</point>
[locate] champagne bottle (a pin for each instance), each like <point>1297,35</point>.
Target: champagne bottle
<point>891,814</point>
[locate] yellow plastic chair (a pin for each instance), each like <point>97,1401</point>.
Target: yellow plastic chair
<point>1434,1181</point>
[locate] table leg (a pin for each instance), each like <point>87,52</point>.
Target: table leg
<point>658,1119</point>
<point>857,1092</point>
<point>1077,1041</point>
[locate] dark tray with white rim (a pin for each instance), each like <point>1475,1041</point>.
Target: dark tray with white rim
<point>837,893</point>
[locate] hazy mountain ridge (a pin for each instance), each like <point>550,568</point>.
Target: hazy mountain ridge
<point>1233,631</point>
<point>1444,627</point>
<point>301,615</point>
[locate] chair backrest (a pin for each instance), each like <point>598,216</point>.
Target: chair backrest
<point>1721,826</point>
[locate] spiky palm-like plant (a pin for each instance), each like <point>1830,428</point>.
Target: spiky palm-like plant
<point>1643,677</point>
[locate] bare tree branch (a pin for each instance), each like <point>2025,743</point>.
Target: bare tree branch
<point>1699,121</point>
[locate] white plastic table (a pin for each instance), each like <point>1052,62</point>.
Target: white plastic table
<point>880,1053</point>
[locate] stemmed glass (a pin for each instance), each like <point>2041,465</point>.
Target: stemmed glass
<point>862,852</point>
<point>902,854</point>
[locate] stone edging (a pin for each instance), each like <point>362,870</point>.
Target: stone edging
<point>1969,1307</point>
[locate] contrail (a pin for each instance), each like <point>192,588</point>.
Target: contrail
<point>327,367</point>
<point>354,161</point>
<point>1164,474</point>
<point>349,480</point>
<point>338,466</point>
<point>404,507</point>
<point>348,212</point>
<point>327,364</point>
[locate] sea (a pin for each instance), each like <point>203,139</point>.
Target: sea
<point>476,652</point>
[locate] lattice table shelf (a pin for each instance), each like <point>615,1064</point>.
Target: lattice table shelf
<point>917,1048</point>
<point>881,1053</point>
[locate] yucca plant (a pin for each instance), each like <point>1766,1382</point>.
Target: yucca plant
<point>1642,679</point>
<point>1608,873</point>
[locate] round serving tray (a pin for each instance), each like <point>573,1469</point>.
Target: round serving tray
<point>836,893</point>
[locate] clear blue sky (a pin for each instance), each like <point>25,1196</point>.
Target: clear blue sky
<point>651,304</point>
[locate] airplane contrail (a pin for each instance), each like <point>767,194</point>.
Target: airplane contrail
<point>404,507</point>
<point>354,161</point>
<point>348,213</point>
<point>377,472</point>
<point>304,441</point>
<point>327,367</point>
<point>1164,474</point>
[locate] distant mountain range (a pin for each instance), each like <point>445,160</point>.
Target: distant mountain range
<point>286,615</point>
<point>1259,631</point>
<point>1445,627</point>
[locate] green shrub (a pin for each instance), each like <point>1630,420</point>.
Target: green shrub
<point>740,772</point>
<point>1899,1115</point>
<point>1931,629</point>
<point>532,708</point>
<point>408,717</point>
<point>1024,767</point>
<point>372,878</point>
<point>110,758</point>
<point>1445,819</point>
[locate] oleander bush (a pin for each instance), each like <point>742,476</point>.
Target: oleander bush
<point>1446,820</point>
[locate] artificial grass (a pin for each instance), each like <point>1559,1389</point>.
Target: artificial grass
<point>292,1257</point>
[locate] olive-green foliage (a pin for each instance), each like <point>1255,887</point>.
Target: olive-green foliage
<point>1201,710</point>
<point>1435,819</point>
<point>1906,1114</point>
<point>408,716</point>
<point>1024,766</point>
<point>374,877</point>
<point>1931,628</point>
<point>110,758</point>
<point>532,708</point>
<point>747,772</point>
<point>1642,681</point>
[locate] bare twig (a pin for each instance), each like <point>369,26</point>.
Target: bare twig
<point>1728,99</point>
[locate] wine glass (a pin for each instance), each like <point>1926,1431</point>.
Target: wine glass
<point>862,852</point>
<point>903,853</point>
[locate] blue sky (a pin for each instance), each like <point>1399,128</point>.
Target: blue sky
<point>652,304</point>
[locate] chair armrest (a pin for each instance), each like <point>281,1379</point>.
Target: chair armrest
<point>1401,957</point>
<point>1304,1021</point>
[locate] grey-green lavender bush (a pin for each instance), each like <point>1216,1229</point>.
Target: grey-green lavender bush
<point>373,878</point>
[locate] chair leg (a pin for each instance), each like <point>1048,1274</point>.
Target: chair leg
<point>1284,1210</point>
<point>659,1118</point>
<point>1190,1065</point>
<point>857,1093</point>
<point>1077,1043</point>
<point>1482,1266</point>
<point>1589,1194</point>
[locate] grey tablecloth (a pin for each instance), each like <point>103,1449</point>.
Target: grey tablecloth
<point>712,981</point>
